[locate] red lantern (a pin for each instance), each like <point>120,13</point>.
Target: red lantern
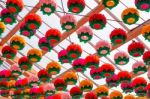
<point>5,74</point>
<point>76,6</point>
<point>113,81</point>
<point>33,21</point>
<point>91,95</point>
<point>127,87</point>
<point>63,57</point>
<point>118,36</point>
<point>96,73</point>
<point>7,17</point>
<point>24,63</point>
<point>14,6</point>
<point>124,77</point>
<point>8,52</point>
<point>79,65</point>
<point>76,92</point>
<point>97,21</point>
<point>136,49</point>
<point>22,83</point>
<point>44,76</point>
<point>36,92</point>
<point>25,31</point>
<point>60,84</point>
<point>139,83</point>
<point>74,51</point>
<point>53,36</point>
<point>107,70</point>
<point>92,61</point>
<point>44,44</point>
<point>146,57</point>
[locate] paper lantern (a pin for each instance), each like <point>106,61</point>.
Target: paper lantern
<point>110,3</point>
<point>140,93</point>
<point>44,44</point>
<point>143,5</point>
<point>92,61</point>
<point>15,70</point>
<point>91,95</point>
<point>34,55</point>
<point>17,42</point>
<point>4,93</point>
<point>33,21</point>
<point>22,83</point>
<point>26,93</point>
<point>130,16</point>
<point>24,63</point>
<point>139,83</point>
<point>74,51</point>
<point>107,70</point>
<point>33,80</point>
<point>53,36</point>
<point>116,95</point>
<point>76,92</point>
<point>121,58</point>
<point>139,67</point>
<point>2,28</point>
<point>36,92</point>
<point>103,48</point>
<point>113,81</point>
<point>136,49</point>
<point>124,77</point>
<point>146,57</point>
<point>7,17</point>
<point>48,6</point>
<point>97,21</point>
<point>66,95</point>
<point>68,22</point>
<point>102,91</point>
<point>11,84</point>
<point>8,52</point>
<point>60,84</point>
<point>14,6</point>
<point>85,34</point>
<point>44,76</point>
<point>4,85</point>
<point>86,85</point>
<point>127,87</point>
<point>96,73</point>
<point>49,89</point>
<point>5,74</point>
<point>53,68</point>
<point>118,36</point>
<point>25,31</point>
<point>63,57</point>
<point>129,96</point>
<point>79,65</point>
<point>146,32</point>
<point>76,6</point>
<point>70,78</point>
<point>17,94</point>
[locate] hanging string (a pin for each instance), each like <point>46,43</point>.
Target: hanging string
<point>63,7</point>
